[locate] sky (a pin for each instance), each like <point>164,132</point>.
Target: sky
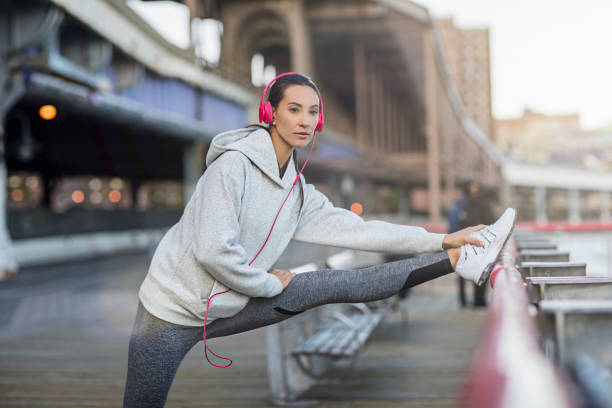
<point>551,56</point>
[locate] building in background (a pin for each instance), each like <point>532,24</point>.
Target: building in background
<point>555,139</point>
<point>534,136</point>
<point>467,55</point>
<point>591,149</point>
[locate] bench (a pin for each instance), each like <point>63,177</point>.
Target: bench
<point>344,335</point>
<point>303,349</point>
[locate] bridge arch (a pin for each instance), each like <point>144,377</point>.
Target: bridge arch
<point>277,31</point>
<point>266,33</point>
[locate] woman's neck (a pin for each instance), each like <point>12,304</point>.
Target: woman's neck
<point>282,149</point>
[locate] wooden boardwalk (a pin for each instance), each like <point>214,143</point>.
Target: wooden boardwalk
<point>64,333</point>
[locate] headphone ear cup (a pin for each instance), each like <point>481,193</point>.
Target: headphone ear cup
<point>320,124</point>
<point>266,114</point>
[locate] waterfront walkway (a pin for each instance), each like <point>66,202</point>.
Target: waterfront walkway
<point>64,333</point>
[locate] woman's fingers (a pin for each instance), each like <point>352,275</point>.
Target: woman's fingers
<point>462,237</point>
<point>474,241</point>
<point>283,275</point>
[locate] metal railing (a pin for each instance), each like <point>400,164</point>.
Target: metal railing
<point>509,368</point>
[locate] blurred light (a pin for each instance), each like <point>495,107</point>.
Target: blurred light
<point>96,197</point>
<point>78,196</point>
<point>357,208</point>
<point>14,181</point>
<point>47,112</point>
<point>206,34</point>
<point>116,183</point>
<point>17,195</point>
<point>269,73</point>
<point>95,184</point>
<point>257,68</point>
<point>32,182</point>
<point>114,196</point>
<point>170,19</point>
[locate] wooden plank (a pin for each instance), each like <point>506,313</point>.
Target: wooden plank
<point>81,360</point>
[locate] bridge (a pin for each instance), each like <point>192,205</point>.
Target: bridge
<point>133,108</point>
<point>106,124</point>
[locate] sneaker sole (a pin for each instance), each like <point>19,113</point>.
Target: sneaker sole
<point>484,277</point>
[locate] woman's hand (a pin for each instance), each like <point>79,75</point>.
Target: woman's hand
<point>461,237</point>
<point>283,275</point>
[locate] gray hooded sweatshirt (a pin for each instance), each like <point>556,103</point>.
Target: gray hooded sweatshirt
<point>227,220</point>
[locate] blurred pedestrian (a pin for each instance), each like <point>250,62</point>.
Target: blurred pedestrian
<point>472,208</point>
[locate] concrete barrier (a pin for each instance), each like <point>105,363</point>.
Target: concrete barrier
<point>543,255</point>
<point>529,269</point>
<point>536,245</point>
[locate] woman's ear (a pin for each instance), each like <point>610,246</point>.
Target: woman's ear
<point>273,116</point>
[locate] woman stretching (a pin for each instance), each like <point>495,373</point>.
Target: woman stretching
<point>210,275</point>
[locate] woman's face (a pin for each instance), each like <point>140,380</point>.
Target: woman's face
<point>297,115</point>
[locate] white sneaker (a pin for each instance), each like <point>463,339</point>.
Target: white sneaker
<point>476,263</point>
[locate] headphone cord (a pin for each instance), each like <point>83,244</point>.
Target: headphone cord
<point>206,348</point>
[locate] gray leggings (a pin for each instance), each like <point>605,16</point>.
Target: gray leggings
<point>158,347</point>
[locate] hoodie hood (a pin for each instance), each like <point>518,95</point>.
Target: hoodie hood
<point>256,144</point>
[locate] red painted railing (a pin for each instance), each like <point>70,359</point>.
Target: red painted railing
<point>509,369</point>
<point>565,226</point>
<point>442,227</point>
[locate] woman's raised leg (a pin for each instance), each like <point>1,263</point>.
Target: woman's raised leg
<point>316,288</point>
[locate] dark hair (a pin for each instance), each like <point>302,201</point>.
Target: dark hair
<point>465,186</point>
<point>275,95</point>
<point>277,90</point>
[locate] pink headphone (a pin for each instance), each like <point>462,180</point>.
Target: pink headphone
<point>266,114</point>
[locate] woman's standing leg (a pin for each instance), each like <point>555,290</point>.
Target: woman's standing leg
<point>317,288</point>
<point>156,351</point>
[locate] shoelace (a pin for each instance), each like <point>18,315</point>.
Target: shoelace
<point>485,238</point>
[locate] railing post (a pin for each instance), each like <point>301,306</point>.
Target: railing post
<point>604,205</point>
<point>574,205</point>
<point>540,204</point>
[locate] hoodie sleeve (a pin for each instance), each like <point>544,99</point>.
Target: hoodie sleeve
<point>216,231</point>
<point>322,223</point>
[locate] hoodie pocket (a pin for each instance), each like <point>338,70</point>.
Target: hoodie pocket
<point>224,304</point>
<point>214,289</point>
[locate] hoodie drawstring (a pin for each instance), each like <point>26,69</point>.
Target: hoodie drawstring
<point>206,348</point>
